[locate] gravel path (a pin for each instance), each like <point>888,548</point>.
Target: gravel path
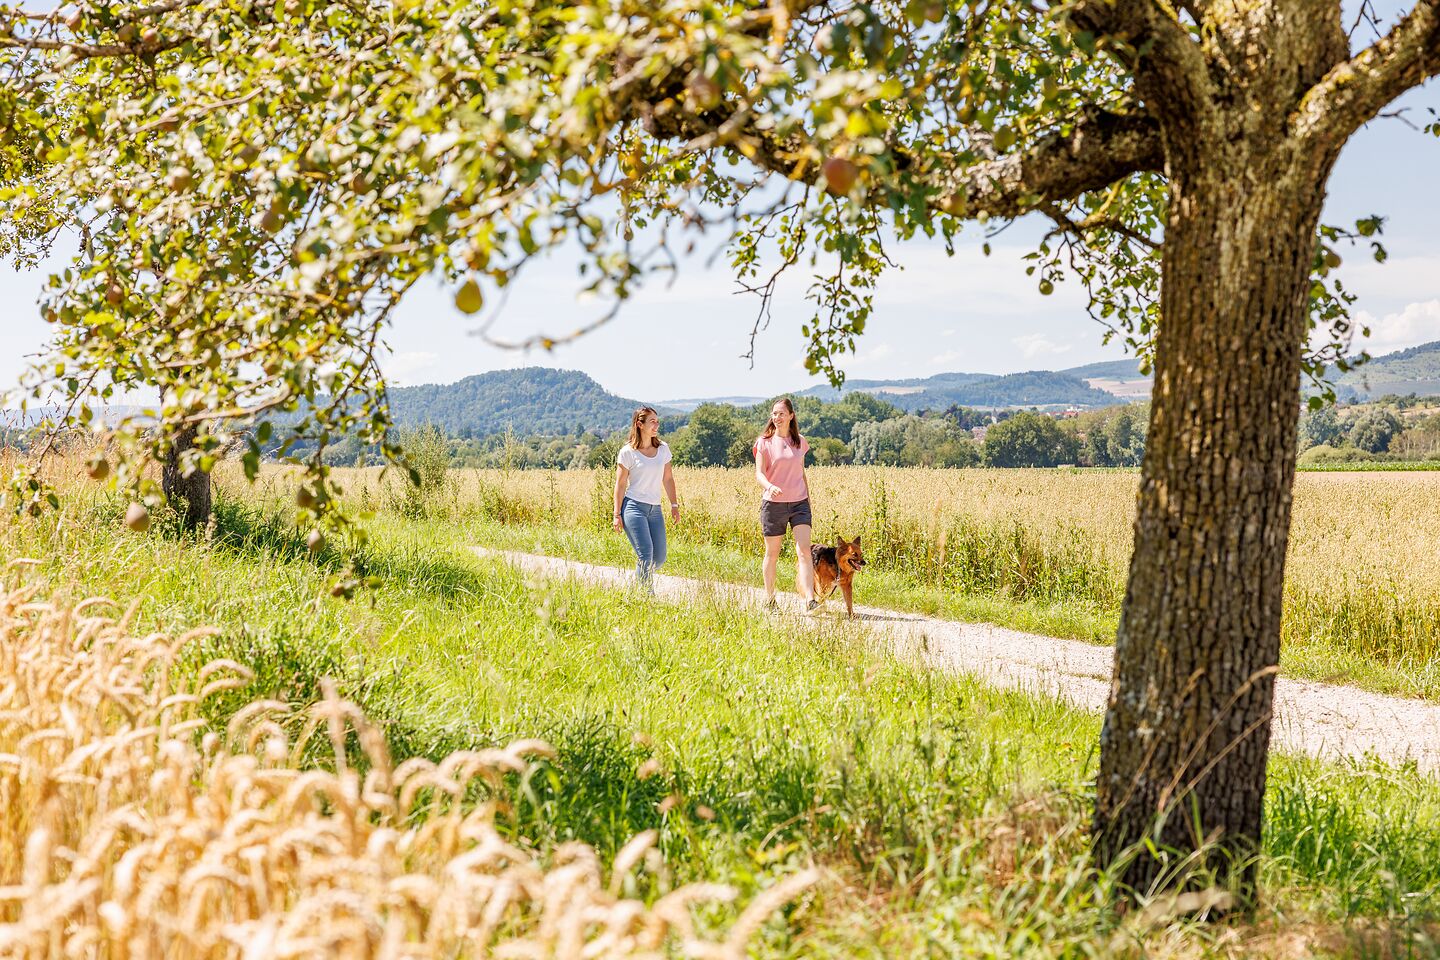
<point>1325,720</point>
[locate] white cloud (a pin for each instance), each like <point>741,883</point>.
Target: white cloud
<point>1034,345</point>
<point>949,356</point>
<point>1417,323</point>
<point>873,355</point>
<point>1399,280</point>
<point>408,368</point>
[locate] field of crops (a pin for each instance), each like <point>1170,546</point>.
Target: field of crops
<point>1363,576</point>
<point>347,770</point>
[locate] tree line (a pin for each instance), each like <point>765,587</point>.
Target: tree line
<point>1393,428</point>
<point>860,429</point>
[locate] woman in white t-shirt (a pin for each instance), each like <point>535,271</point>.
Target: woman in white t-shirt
<point>642,468</point>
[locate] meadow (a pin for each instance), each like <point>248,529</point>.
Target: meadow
<point>1038,550</point>
<point>940,817</point>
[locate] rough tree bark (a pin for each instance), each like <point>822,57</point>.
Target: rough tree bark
<point>188,494</point>
<point>1187,729</point>
<point>1201,621</point>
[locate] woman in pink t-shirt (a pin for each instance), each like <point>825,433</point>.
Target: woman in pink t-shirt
<point>780,471</point>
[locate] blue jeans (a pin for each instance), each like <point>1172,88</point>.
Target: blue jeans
<point>645,526</point>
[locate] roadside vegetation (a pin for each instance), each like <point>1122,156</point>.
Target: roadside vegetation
<point>1042,551</point>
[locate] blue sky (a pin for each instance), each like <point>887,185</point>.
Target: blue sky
<point>684,338</point>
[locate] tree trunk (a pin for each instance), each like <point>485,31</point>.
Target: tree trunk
<point>1187,728</point>
<point>188,494</point>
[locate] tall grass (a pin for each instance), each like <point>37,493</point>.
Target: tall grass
<point>1363,576</point>
<point>431,486</point>
<point>948,819</point>
<point>132,828</point>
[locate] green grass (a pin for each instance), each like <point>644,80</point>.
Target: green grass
<point>1382,663</point>
<point>1075,619</point>
<point>1361,466</point>
<point>951,815</point>
<point>1371,629</point>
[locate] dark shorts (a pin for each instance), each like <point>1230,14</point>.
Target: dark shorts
<point>775,517</point>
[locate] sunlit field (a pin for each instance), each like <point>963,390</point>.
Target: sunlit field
<point>854,804</point>
<point>1038,549</point>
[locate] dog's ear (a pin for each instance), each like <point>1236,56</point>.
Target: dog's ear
<point>857,540</point>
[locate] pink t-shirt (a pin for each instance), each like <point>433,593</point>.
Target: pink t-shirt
<point>783,465</point>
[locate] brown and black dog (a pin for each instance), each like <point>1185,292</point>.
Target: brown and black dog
<point>836,565</point>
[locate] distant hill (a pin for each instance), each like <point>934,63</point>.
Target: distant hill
<point>543,401</point>
<point>538,401</point>
<point>533,401</point>
<point>685,406</point>
<point>895,388</point>
<point>1416,370</point>
<point>1127,369</point>
<point>1122,378</point>
<point>1036,388</point>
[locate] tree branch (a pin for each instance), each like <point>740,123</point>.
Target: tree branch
<point>1094,151</point>
<point>1100,149</point>
<point>1096,221</point>
<point>1353,92</point>
<point>94,50</point>
<point>1171,74</point>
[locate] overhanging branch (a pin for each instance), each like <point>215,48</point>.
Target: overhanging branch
<point>1355,91</point>
<point>1094,151</point>
<point>1100,149</point>
<point>1083,228</point>
<point>1171,74</point>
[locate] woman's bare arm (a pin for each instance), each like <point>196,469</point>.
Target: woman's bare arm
<point>622,480</point>
<point>669,481</point>
<point>760,477</point>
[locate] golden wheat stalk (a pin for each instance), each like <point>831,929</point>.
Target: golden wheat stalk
<point>132,831</point>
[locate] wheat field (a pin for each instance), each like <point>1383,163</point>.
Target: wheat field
<point>1381,526</point>
<point>1363,573</point>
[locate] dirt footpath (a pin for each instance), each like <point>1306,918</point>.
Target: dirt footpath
<point>1324,720</point>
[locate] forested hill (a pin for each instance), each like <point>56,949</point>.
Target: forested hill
<point>891,388</point>
<point>539,401</point>
<point>531,401</point>
<point>1034,388</point>
<point>1416,370</point>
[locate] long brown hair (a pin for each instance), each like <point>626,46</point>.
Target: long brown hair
<point>794,424</point>
<point>636,419</point>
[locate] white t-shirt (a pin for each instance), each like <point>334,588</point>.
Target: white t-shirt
<point>646,473</point>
